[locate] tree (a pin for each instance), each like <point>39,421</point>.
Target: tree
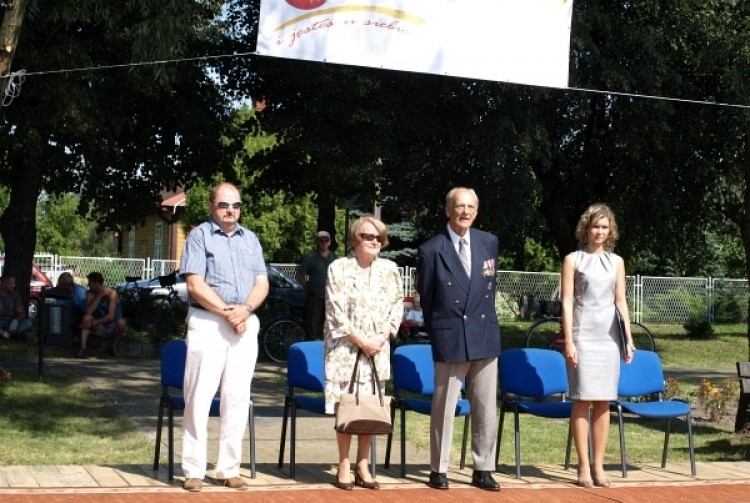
<point>284,222</point>
<point>116,136</point>
<point>537,156</point>
<point>62,231</point>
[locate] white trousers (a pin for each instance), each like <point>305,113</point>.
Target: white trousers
<point>217,358</point>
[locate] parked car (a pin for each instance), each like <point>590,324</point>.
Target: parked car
<point>283,288</point>
<point>39,281</point>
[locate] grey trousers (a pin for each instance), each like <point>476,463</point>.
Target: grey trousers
<point>481,388</point>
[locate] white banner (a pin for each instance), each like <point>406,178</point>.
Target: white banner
<point>522,41</point>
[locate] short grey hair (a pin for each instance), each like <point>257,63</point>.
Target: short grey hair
<point>452,193</point>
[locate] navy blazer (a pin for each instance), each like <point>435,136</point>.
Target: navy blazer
<point>459,314</point>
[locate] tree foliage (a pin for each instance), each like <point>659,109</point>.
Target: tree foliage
<point>537,157</point>
<point>63,231</point>
<point>120,131</point>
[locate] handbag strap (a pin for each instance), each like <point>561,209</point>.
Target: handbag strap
<point>374,375</point>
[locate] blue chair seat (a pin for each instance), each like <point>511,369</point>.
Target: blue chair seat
<point>179,403</point>
<point>530,381</point>
<point>173,355</point>
<point>422,406</point>
<point>643,378</point>
<point>552,410</point>
<point>305,381</point>
<point>311,403</point>
<point>413,372</point>
<point>662,409</point>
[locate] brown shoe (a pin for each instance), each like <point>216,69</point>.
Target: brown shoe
<point>192,485</point>
<point>232,483</point>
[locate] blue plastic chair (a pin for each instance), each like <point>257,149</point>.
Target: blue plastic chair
<point>413,372</point>
<point>173,355</point>
<point>305,373</point>
<point>529,379</point>
<point>643,379</point>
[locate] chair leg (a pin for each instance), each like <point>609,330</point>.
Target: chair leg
<point>667,431</point>
<point>517,432</point>
<point>251,420</point>
<point>159,424</point>
<point>170,442</point>
<point>293,442</point>
<point>499,436</point>
<point>403,443</point>
<point>282,442</point>
<point>462,464</point>
<point>389,441</point>
<point>567,447</point>
<point>689,420</point>
<point>621,424</point>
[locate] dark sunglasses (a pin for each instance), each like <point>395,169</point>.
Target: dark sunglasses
<point>370,237</point>
<point>225,204</point>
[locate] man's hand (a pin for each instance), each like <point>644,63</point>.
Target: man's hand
<point>236,315</point>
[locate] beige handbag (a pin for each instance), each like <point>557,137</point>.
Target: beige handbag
<point>364,414</point>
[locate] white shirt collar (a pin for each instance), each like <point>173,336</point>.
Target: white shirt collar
<point>455,237</point>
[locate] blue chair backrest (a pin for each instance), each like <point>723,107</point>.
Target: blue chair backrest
<point>173,355</point>
<point>533,372</point>
<point>642,376</point>
<point>413,369</point>
<point>305,365</point>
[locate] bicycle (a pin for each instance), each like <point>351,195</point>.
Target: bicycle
<point>542,333</point>
<point>279,329</point>
<point>160,315</point>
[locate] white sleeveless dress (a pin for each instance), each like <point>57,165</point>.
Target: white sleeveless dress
<point>595,331</point>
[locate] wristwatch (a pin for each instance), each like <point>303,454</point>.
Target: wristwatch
<point>249,308</point>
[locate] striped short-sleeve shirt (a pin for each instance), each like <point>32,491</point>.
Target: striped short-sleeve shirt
<point>228,263</point>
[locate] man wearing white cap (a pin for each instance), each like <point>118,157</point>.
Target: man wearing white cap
<point>313,272</point>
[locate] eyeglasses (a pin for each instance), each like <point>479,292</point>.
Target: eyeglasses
<point>370,237</point>
<point>226,204</point>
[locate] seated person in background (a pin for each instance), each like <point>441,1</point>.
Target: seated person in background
<point>13,321</point>
<point>103,314</point>
<point>69,293</point>
<point>414,318</point>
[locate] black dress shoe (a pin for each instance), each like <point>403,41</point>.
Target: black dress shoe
<point>438,480</point>
<point>483,480</point>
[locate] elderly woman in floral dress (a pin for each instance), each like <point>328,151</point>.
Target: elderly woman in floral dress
<point>364,307</point>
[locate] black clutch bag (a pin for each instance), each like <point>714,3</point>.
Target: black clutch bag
<point>622,333</point>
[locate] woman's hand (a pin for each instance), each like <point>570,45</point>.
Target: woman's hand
<point>370,345</point>
<point>571,355</point>
<point>629,352</point>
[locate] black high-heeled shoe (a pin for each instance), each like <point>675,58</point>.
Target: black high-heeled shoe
<point>358,480</point>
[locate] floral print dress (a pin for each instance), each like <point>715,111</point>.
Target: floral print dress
<point>362,301</point>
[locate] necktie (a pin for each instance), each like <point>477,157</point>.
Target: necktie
<point>463,255</point>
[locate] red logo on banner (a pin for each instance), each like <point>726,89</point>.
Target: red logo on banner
<point>306,4</point>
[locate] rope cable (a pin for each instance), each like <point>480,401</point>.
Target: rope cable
<point>15,79</point>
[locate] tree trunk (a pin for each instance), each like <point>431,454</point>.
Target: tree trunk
<point>18,221</point>
<point>10,31</point>
<point>745,229</point>
<point>327,219</point>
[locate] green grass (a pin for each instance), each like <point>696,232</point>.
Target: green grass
<point>543,440</point>
<point>676,349</point>
<point>59,420</point>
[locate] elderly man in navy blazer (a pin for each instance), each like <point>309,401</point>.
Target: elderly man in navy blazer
<point>456,282</point>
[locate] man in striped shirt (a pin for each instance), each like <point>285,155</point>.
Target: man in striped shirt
<point>226,280</point>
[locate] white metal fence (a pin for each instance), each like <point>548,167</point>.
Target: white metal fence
<point>520,295</point>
